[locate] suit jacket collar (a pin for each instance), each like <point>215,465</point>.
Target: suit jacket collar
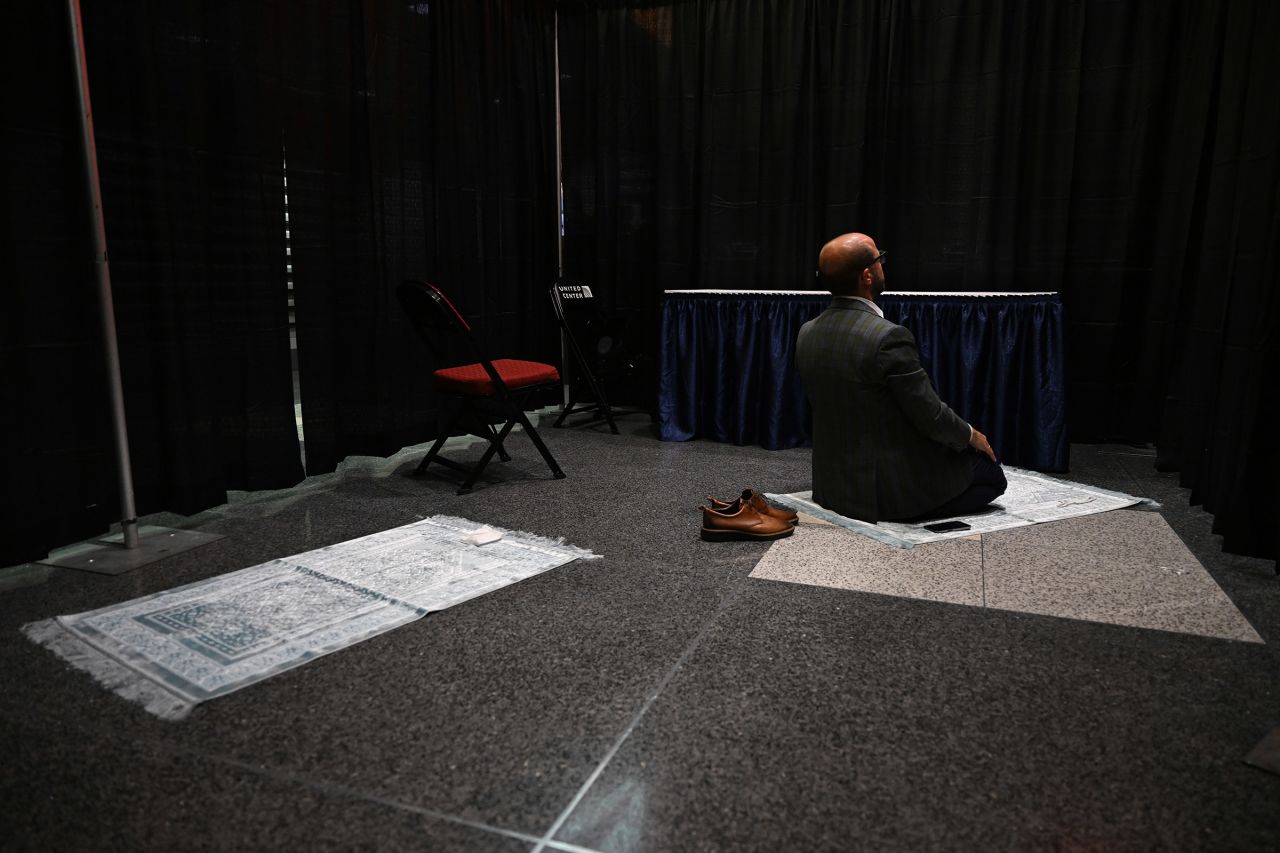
<point>857,303</point>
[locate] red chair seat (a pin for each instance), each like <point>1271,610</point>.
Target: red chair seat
<point>483,405</point>
<point>473,381</point>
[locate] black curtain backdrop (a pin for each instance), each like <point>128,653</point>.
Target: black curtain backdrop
<point>355,206</point>
<point>420,144</point>
<point>1124,154</point>
<point>185,104</point>
<point>417,140</point>
<point>58,480</point>
<point>190,171</point>
<point>1215,308</point>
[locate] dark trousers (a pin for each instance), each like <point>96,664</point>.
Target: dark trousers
<point>988,484</point>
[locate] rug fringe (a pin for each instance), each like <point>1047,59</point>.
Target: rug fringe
<point>524,536</point>
<point>108,672</point>
<point>140,683</point>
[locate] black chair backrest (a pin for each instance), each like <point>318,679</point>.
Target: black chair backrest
<point>430,311</point>
<point>599,340</point>
<point>429,308</point>
<point>569,297</point>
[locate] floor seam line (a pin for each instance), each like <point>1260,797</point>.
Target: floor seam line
<point>658,690</point>
<point>352,793</point>
<point>321,785</point>
<point>336,789</point>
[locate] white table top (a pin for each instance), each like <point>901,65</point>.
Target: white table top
<point>886,293</point>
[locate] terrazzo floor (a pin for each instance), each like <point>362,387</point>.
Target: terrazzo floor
<point>664,698</point>
<point>1122,567</point>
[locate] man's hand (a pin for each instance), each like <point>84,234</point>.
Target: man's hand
<point>979,442</point>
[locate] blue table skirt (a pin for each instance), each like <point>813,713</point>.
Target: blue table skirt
<point>726,368</point>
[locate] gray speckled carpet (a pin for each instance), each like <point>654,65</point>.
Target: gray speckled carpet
<point>663,698</point>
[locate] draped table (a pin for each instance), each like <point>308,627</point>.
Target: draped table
<point>726,366</point>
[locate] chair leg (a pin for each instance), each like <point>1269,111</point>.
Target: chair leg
<point>602,404</point>
<point>602,407</point>
<point>575,407</point>
<point>608,416</point>
<point>497,439</point>
<point>432,453</point>
<point>495,446</point>
<point>564,413</point>
<point>537,442</point>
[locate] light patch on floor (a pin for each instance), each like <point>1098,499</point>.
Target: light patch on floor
<point>1031,498</point>
<point>1122,568</point>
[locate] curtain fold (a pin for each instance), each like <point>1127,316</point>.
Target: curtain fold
<point>420,144</point>
<point>59,474</point>
<point>355,214</point>
<point>184,106</point>
<point>1218,413</point>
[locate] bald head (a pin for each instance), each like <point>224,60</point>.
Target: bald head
<point>843,264</point>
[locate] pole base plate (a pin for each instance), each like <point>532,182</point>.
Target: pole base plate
<point>107,555</point>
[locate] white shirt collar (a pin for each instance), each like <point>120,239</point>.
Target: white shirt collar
<point>874,307</point>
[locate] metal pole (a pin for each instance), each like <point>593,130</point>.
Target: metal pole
<point>559,156</point>
<point>566,376</point>
<point>129,521</point>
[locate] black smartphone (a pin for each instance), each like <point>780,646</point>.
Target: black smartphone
<point>944,526</point>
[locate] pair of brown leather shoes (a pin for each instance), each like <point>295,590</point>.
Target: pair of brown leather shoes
<point>748,517</point>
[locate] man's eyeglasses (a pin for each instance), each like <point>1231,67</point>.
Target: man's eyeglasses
<point>879,259</point>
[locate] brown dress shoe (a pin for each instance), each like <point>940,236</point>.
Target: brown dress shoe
<point>740,520</point>
<point>759,504</point>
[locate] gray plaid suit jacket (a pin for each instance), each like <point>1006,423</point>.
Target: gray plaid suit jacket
<point>884,446</point>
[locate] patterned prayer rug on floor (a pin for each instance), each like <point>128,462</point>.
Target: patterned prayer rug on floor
<point>174,649</point>
<point>1031,498</point>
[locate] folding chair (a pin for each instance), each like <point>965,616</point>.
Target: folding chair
<point>487,391</point>
<point>597,343</point>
